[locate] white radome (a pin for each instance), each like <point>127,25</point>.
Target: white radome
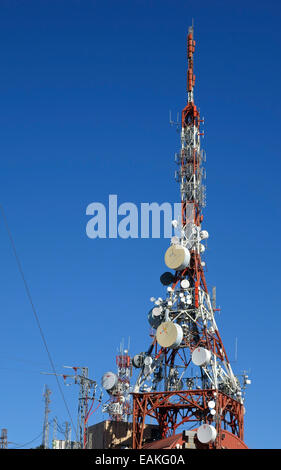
<point>185,283</point>
<point>169,334</point>
<point>201,357</point>
<point>177,257</point>
<point>206,433</point>
<point>109,380</point>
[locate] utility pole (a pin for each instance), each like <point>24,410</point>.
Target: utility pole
<point>4,439</point>
<point>85,386</point>
<point>55,428</point>
<point>67,434</point>
<point>46,395</point>
<point>87,391</point>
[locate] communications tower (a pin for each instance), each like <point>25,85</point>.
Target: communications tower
<point>117,385</point>
<point>185,378</point>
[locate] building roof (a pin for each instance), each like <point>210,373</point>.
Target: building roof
<point>167,443</point>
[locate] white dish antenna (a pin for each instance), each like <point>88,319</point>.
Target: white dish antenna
<point>206,433</point>
<point>201,357</point>
<point>109,381</point>
<point>154,316</point>
<point>185,284</point>
<point>148,361</point>
<point>177,257</point>
<point>138,360</point>
<point>169,335</point>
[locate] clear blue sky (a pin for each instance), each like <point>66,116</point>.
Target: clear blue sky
<point>85,92</point>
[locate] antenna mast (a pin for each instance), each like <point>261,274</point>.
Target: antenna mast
<point>185,331</point>
<point>87,391</point>
<point>4,438</point>
<point>46,426</point>
<point>118,387</point>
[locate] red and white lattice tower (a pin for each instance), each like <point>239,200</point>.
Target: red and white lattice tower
<point>117,385</point>
<point>185,378</point>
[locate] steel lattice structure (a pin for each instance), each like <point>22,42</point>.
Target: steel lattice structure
<point>186,336</point>
<point>173,409</point>
<point>118,387</point>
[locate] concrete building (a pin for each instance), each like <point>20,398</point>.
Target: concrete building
<point>117,435</point>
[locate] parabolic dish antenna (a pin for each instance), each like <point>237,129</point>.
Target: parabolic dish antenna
<point>177,257</point>
<point>169,334</point>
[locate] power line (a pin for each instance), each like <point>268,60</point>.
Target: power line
<point>19,446</point>
<point>17,359</point>
<point>34,310</point>
<point>24,371</point>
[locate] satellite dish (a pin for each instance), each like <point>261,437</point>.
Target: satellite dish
<point>201,357</point>
<point>138,361</point>
<point>206,433</point>
<point>156,312</point>
<point>148,361</point>
<point>109,381</point>
<point>154,316</point>
<point>185,283</point>
<point>167,278</point>
<point>169,334</point>
<point>177,257</point>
